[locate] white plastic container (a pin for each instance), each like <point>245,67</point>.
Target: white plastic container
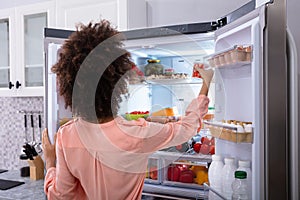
<point>244,165</point>
<point>227,174</point>
<point>239,186</point>
<point>214,176</point>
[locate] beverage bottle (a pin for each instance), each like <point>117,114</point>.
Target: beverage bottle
<point>227,174</point>
<point>214,176</point>
<point>244,165</point>
<point>239,186</point>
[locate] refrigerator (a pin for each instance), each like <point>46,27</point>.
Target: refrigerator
<point>261,90</point>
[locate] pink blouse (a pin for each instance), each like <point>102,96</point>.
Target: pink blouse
<point>108,161</point>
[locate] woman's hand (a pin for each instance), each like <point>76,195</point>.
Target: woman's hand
<point>207,75</point>
<point>49,150</point>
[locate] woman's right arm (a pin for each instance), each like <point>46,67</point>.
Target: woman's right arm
<point>176,133</point>
<point>161,136</point>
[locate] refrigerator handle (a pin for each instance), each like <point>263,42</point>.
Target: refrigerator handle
<point>293,110</point>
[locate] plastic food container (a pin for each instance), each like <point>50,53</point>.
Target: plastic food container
<point>153,173</point>
<point>188,175</point>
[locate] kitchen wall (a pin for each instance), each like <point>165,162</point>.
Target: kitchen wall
<point>12,131</point>
<point>169,12</point>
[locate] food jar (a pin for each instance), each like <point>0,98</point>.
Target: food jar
<point>154,68</point>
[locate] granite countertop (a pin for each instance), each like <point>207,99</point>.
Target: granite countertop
<point>30,190</point>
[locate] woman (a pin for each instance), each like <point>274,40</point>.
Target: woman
<point>100,155</point>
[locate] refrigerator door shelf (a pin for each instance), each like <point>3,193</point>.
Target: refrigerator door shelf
<point>229,134</point>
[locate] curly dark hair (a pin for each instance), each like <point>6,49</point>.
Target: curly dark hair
<point>92,71</point>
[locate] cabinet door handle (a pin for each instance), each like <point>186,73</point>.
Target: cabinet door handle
<point>18,84</point>
<point>10,85</point>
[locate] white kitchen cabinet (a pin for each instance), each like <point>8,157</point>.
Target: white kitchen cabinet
<point>7,23</point>
<point>124,14</point>
<point>22,33</point>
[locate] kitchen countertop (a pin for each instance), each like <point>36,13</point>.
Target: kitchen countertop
<point>30,190</point>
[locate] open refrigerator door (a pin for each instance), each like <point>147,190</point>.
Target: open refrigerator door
<point>238,123</point>
<point>56,114</point>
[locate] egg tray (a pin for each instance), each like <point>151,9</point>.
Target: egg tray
<point>230,134</point>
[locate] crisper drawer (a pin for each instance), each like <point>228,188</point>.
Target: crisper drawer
<point>186,172</point>
<point>153,173</point>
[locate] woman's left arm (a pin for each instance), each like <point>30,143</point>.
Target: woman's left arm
<point>59,182</point>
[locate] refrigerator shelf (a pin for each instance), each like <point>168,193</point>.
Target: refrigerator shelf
<point>179,156</point>
<point>183,185</point>
<point>175,191</point>
<point>207,187</point>
<point>203,164</point>
<point>174,81</point>
<point>151,181</point>
<point>228,133</point>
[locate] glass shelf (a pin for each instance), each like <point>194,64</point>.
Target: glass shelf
<point>175,81</point>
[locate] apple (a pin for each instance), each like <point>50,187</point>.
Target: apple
<point>212,149</point>
<point>197,147</point>
<point>204,149</point>
<point>205,140</point>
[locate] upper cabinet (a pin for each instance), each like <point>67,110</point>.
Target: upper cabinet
<point>124,14</point>
<point>22,56</point>
<point>7,23</point>
<point>22,35</point>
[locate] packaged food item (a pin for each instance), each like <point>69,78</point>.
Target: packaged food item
<point>169,72</point>
<point>164,112</point>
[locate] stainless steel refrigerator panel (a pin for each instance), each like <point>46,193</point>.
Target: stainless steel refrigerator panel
<point>276,103</point>
<point>293,8</point>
